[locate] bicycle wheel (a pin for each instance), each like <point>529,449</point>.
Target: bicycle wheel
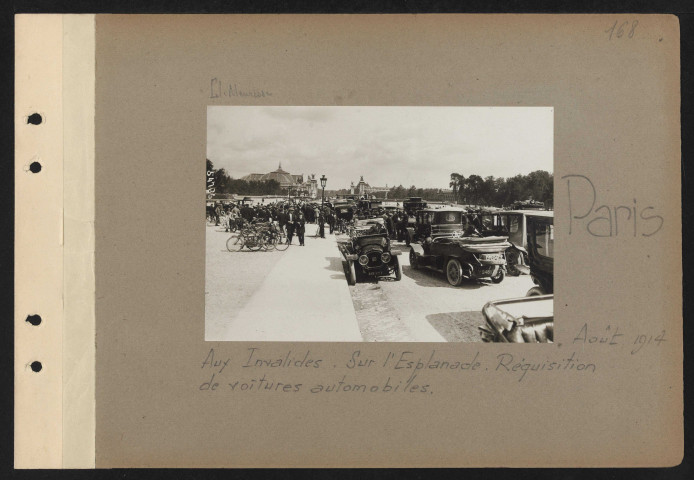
<point>254,243</point>
<point>235,243</point>
<point>281,242</point>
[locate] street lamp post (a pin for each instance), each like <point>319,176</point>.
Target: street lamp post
<point>323,181</point>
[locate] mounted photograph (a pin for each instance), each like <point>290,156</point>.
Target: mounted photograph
<point>379,224</point>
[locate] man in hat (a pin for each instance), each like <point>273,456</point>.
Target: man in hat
<point>291,218</point>
<point>300,226</point>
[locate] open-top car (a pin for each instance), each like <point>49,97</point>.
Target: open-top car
<point>368,252</point>
<point>514,225</point>
<point>519,320</point>
<point>450,245</point>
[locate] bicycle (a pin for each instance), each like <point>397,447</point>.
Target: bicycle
<point>249,238</point>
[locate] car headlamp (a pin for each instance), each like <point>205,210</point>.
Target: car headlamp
<point>385,257</point>
<point>363,260</point>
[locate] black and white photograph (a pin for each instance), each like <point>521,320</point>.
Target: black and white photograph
<point>379,224</point>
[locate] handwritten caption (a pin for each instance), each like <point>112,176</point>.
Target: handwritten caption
<point>408,372</point>
<point>587,212</point>
<point>223,89</point>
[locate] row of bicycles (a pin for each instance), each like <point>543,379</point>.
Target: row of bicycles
<point>257,236</point>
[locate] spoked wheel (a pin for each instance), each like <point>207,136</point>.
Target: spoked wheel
<point>235,243</point>
<point>352,279</point>
<point>413,259</point>
<point>254,243</point>
<point>398,270</point>
<point>498,278</point>
<point>534,292</point>
<point>454,272</point>
<point>281,242</point>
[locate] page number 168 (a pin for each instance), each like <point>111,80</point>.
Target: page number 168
<point>619,29</point>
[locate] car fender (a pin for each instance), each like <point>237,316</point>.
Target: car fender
<point>417,249</point>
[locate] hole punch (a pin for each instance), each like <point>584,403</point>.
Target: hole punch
<point>35,167</point>
<point>36,366</point>
<point>34,320</point>
<point>34,119</point>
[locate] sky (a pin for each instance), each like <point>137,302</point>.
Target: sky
<point>389,146</point>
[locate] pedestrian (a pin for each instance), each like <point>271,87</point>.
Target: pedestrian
<point>321,224</point>
<point>331,220</point>
<point>300,226</point>
<point>291,218</point>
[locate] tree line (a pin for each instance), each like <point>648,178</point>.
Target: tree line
<point>489,191</point>
<point>498,192</point>
<point>224,183</point>
<point>470,190</point>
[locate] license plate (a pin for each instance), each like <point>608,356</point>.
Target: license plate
<point>491,256</point>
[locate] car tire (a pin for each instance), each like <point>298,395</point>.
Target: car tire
<point>534,292</point>
<point>499,276</point>
<point>398,270</point>
<point>454,272</point>
<point>414,261</point>
<point>352,278</point>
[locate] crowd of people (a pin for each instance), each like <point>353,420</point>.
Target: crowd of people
<point>292,217</point>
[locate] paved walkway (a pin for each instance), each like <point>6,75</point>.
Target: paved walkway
<point>304,297</point>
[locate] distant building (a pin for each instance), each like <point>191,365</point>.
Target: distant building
<point>363,188</point>
<point>294,184</point>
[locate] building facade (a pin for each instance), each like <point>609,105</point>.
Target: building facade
<point>295,185</point>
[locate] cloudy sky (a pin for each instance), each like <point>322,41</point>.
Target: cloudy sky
<point>418,146</point>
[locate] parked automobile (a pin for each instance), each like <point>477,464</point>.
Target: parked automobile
<point>344,213</point>
<point>519,320</point>
<point>531,318</point>
<point>514,225</point>
<point>368,252</point>
<point>451,245</point>
<point>541,253</point>
<point>429,222</point>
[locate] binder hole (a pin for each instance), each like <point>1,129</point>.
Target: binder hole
<point>36,366</point>
<point>35,320</point>
<point>35,167</point>
<point>34,119</point>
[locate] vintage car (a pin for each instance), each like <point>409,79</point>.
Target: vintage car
<point>541,253</point>
<point>368,252</point>
<point>344,213</point>
<point>429,222</point>
<point>519,320</point>
<point>514,225</point>
<point>528,319</point>
<point>451,247</point>
<point>413,204</point>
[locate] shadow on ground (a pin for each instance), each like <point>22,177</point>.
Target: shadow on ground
<point>457,326</point>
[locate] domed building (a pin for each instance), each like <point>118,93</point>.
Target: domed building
<point>287,181</point>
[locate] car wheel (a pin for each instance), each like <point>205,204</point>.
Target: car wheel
<point>398,270</point>
<point>498,278</point>
<point>352,278</point>
<point>454,272</point>
<point>534,292</point>
<point>413,259</point>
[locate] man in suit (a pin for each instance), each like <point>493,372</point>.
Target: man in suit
<point>300,226</point>
<point>321,224</point>
<point>282,220</point>
<point>291,218</point>
<point>331,220</point>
